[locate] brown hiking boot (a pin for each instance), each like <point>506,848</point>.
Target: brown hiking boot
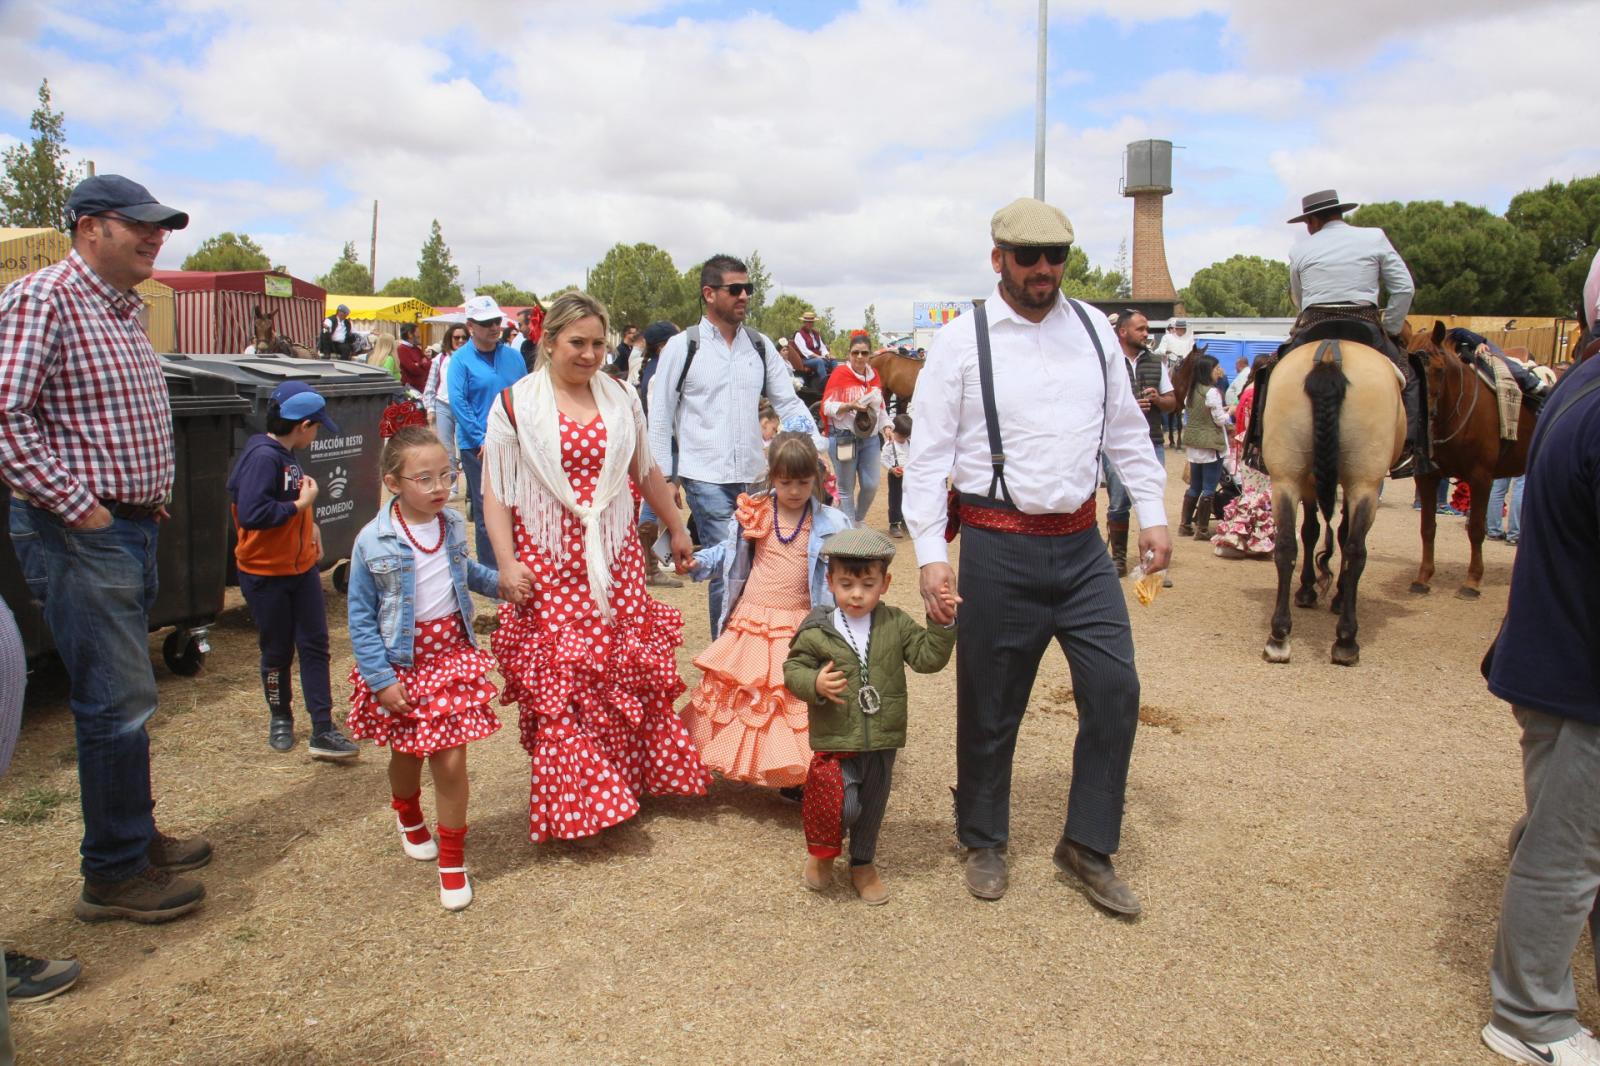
<point>1097,877</point>
<point>150,896</point>
<point>174,855</point>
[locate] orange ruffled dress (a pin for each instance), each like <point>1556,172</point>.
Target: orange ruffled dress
<point>746,724</point>
<point>596,697</point>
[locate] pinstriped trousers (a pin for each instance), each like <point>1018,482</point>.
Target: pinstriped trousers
<point>1019,592</point>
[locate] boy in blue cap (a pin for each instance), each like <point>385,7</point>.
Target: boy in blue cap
<point>279,547</point>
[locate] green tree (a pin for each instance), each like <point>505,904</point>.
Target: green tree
<point>1564,220</point>
<point>1464,259</point>
<point>438,280</point>
<point>348,275</point>
<point>228,251</point>
<point>507,294</point>
<point>37,180</point>
<point>761,278</point>
<point>781,317</point>
<point>870,324</point>
<point>1088,283</point>
<point>638,283</point>
<point>406,287</point>
<point>1241,286</point>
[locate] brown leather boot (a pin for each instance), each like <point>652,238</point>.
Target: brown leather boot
<point>151,896</point>
<point>1202,519</point>
<point>1117,539</point>
<point>1186,519</point>
<point>649,532</point>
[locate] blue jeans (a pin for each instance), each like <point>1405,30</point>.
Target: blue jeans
<point>858,476</point>
<point>97,587</point>
<point>820,369</point>
<point>711,505</point>
<point>472,466</point>
<point>1119,503</point>
<point>1204,478</point>
<point>445,425</point>
<point>1505,490</point>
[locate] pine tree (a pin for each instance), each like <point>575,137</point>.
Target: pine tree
<point>349,275</point>
<point>37,179</point>
<point>437,276</point>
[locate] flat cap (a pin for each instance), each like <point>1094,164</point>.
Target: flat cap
<point>1027,221</point>
<point>858,543</point>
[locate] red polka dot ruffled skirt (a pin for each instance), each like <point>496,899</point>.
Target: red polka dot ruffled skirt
<point>597,715</point>
<point>447,687</point>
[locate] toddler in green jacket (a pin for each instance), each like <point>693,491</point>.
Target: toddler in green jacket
<point>848,663</point>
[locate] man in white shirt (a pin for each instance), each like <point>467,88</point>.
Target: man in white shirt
<point>1241,378</point>
<point>1034,568</point>
<point>705,431</point>
<point>1335,273</point>
<point>337,340</point>
<point>813,350</point>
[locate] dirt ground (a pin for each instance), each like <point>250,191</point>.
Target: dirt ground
<point>1320,851</point>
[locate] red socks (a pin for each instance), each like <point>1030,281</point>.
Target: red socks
<point>409,808</point>
<point>452,857</point>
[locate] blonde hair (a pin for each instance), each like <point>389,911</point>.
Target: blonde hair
<point>568,308</point>
<point>382,349</point>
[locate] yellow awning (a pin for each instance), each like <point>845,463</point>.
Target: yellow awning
<point>381,308</point>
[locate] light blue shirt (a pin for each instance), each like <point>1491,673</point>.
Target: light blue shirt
<point>714,420</point>
<point>475,379</point>
<point>1341,264</point>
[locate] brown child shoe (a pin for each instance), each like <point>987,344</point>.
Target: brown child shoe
<point>869,886</point>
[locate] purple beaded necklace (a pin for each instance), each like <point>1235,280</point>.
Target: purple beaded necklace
<point>777,528</point>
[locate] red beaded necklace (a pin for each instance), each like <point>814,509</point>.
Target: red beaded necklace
<point>401,518</point>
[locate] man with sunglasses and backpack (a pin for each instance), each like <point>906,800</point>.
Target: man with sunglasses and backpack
<point>705,430</point>
<point>1015,406</point>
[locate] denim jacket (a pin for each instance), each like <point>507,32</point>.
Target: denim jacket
<point>735,555</point>
<point>383,593</point>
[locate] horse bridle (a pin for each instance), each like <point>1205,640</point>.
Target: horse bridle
<point>1460,420</point>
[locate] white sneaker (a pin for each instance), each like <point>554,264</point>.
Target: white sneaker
<point>455,899</point>
<point>1579,1049</point>
<point>427,851</point>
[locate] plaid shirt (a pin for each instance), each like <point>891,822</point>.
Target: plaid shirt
<point>83,402</point>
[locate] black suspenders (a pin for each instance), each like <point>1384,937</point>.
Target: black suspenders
<point>991,417</point>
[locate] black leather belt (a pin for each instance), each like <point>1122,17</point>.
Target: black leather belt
<point>135,512</point>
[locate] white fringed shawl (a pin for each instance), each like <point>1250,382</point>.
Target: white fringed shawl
<point>523,464</point>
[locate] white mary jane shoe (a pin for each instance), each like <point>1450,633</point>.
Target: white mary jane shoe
<point>426,851</point>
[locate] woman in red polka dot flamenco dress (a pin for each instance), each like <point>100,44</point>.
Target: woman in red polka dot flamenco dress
<point>589,658</point>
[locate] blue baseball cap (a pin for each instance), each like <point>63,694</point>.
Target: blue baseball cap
<point>297,401</point>
<point>106,193</point>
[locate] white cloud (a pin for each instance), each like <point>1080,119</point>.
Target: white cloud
<point>540,135</point>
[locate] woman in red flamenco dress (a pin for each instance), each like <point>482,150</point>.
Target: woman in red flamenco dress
<point>589,658</point>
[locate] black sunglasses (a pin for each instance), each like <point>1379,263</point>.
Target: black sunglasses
<point>738,288</point>
<point>1054,254</point>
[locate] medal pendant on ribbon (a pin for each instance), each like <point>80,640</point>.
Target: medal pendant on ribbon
<point>869,700</point>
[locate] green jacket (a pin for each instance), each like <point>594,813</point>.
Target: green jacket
<point>897,642</point>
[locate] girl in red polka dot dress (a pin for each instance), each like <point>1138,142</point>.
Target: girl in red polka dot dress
<point>589,658</point>
<point>421,685</point>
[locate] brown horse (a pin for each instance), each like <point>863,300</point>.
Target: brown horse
<point>1464,423</point>
<point>898,374</point>
<point>269,340</point>
<point>1332,418</point>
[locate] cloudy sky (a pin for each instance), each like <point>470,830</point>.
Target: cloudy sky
<point>861,147</point>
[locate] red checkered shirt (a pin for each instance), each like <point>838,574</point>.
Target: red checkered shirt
<point>83,402</point>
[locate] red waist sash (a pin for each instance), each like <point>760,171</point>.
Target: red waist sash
<point>1010,520</point>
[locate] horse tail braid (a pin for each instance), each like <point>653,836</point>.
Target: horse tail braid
<point>1325,384</point>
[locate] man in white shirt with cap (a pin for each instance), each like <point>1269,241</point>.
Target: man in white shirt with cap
<point>1175,346</point>
<point>1015,405</point>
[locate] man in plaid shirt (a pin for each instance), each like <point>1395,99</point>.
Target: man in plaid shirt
<point>86,448</point>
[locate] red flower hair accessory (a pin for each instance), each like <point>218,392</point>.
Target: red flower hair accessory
<point>398,416</point>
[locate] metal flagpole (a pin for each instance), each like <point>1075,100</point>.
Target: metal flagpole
<point>1038,106</point>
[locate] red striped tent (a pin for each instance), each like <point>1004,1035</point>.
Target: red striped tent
<point>216,310</point>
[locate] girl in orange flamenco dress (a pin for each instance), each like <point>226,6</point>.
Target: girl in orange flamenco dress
<point>747,726</point>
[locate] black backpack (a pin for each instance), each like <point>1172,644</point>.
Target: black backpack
<point>694,345</point>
